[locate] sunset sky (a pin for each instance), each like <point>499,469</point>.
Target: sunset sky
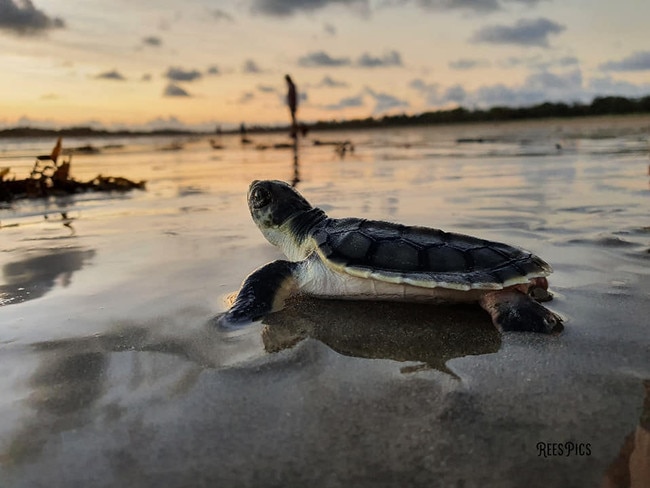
<point>198,63</point>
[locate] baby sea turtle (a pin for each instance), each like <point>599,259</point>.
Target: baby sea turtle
<point>373,260</point>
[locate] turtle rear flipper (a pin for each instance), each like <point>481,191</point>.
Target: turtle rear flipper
<point>262,292</point>
<point>512,310</point>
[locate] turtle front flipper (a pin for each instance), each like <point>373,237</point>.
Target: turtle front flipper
<point>512,310</point>
<point>262,292</point>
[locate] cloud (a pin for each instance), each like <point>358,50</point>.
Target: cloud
<point>285,8</point>
<point>152,41</point>
<point>514,61</point>
<point>385,102</point>
<point>466,64</point>
<point>321,58</point>
<point>179,74</point>
<point>549,81</point>
<point>49,123</point>
<point>171,122</point>
<point>638,61</point>
<point>455,93</point>
<point>567,61</point>
<point>267,89</point>
<point>391,58</point>
<point>474,5</point>
<point>538,62</point>
<point>21,17</point>
<point>110,75</point>
<point>607,86</point>
<point>173,90</point>
<point>251,67</point>
<point>429,91</point>
<point>329,82</point>
<point>213,70</point>
<point>347,102</point>
<point>502,95</point>
<point>530,3</point>
<point>564,62</point>
<point>221,15</point>
<point>246,97</point>
<point>419,84</point>
<point>525,32</point>
<point>565,83</point>
<point>536,88</point>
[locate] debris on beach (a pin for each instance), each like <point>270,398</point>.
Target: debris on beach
<point>215,144</point>
<point>173,146</point>
<point>340,147</point>
<point>49,177</point>
<point>280,145</point>
<point>284,145</point>
<point>318,142</point>
<point>87,149</point>
<point>475,140</point>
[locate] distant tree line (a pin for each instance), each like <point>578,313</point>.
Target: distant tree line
<point>599,106</point>
<point>84,131</point>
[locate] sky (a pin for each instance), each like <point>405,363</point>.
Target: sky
<point>148,64</point>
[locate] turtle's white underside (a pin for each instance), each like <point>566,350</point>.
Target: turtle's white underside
<point>314,277</point>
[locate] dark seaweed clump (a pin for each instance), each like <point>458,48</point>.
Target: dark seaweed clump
<point>51,177</point>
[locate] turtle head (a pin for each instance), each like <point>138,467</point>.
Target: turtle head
<point>282,214</point>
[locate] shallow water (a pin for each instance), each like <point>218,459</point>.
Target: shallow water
<point>112,374</point>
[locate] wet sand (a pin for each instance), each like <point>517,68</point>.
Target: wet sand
<point>113,375</point>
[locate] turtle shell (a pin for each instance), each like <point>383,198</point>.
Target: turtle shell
<point>422,256</point>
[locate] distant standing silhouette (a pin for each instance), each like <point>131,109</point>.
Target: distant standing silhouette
<point>242,134</point>
<point>292,101</point>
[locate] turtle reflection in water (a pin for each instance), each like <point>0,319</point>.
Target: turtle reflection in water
<point>362,259</point>
<point>418,333</point>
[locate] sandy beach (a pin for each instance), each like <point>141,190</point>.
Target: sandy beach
<point>114,376</point>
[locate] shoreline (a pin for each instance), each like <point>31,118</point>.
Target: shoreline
<point>405,121</point>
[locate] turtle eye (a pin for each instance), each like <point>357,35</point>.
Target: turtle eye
<point>260,197</point>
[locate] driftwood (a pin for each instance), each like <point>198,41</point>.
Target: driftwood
<point>51,178</point>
